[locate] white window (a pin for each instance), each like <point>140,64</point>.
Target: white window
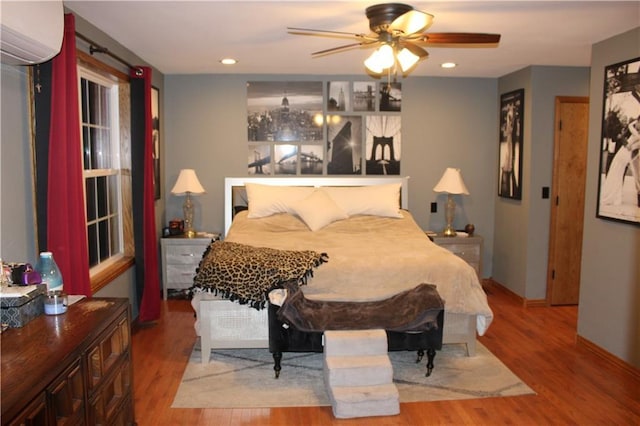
<point>102,169</point>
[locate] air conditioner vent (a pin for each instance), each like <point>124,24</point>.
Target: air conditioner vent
<point>31,31</point>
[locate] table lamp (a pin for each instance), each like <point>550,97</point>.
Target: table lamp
<point>188,184</point>
<point>451,183</point>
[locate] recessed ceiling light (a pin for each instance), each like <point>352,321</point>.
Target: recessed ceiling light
<point>449,65</point>
<point>228,61</point>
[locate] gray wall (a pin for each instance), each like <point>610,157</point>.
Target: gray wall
<point>609,312</point>
<point>17,212</point>
<point>446,122</point>
<point>512,216</point>
<point>522,226</point>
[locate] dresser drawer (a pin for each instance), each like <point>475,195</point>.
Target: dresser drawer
<point>107,352</point>
<point>107,403</point>
<point>469,252</point>
<point>184,254</point>
<point>180,274</point>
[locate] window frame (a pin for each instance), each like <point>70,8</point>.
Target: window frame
<point>106,271</point>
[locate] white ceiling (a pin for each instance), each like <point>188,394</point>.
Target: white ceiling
<point>181,37</point>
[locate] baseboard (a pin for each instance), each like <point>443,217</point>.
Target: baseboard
<point>490,283</point>
<point>535,303</point>
<point>607,356</point>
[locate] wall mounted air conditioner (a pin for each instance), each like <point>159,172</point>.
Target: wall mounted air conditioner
<point>30,31</point>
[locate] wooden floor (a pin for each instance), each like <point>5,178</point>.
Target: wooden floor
<point>573,385</point>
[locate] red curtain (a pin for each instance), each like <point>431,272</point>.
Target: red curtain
<point>66,233</point>
<point>150,303</point>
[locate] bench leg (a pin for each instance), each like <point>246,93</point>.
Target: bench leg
<point>431,354</point>
<point>277,358</point>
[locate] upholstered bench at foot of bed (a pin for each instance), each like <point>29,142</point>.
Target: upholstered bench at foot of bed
<point>283,338</point>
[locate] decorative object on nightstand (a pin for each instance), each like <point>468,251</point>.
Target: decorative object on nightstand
<point>451,183</point>
<point>470,229</point>
<point>188,184</point>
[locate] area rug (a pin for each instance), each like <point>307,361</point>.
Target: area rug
<point>244,378</point>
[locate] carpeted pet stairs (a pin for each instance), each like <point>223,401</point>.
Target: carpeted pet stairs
<point>358,374</point>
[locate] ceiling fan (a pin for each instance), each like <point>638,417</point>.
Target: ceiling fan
<point>398,34</point>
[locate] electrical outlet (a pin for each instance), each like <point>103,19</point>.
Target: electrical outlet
<point>434,207</point>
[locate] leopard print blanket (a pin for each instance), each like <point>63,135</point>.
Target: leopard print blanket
<point>245,274</point>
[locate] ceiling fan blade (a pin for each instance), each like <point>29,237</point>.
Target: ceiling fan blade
<point>457,38</point>
<point>343,47</point>
<point>411,22</point>
<point>326,33</point>
<point>416,50</point>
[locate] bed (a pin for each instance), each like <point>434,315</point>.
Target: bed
<point>375,250</point>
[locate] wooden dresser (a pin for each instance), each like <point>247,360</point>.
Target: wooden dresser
<point>73,368</point>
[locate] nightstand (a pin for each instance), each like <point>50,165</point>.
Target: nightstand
<point>180,259</point>
<point>468,248</point>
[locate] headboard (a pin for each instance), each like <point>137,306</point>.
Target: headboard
<point>234,182</point>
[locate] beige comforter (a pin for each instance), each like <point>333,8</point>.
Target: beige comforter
<point>371,258</point>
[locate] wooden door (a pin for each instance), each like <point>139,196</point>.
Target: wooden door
<point>567,202</point>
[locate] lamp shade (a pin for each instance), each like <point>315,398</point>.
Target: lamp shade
<point>187,183</point>
<point>451,182</point>
<point>380,59</point>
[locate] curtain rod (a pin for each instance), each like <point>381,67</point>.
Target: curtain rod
<point>96,48</point>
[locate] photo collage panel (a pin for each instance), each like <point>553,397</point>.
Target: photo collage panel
<point>323,128</point>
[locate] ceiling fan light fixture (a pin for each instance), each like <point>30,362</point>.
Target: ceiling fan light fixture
<point>380,60</point>
<point>407,59</point>
<point>385,56</point>
<point>372,63</point>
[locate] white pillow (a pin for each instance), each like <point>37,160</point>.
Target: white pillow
<point>375,200</point>
<point>318,210</point>
<point>266,200</point>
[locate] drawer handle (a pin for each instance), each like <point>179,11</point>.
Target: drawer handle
<point>187,254</point>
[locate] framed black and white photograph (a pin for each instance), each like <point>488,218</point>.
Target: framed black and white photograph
<point>259,159</point>
<point>311,159</point>
<point>383,144</point>
<point>619,173</point>
<point>155,135</point>
<point>279,111</point>
<point>285,159</point>
<point>390,97</point>
<point>344,145</point>
<point>511,134</point>
<point>338,96</point>
<point>364,96</point>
